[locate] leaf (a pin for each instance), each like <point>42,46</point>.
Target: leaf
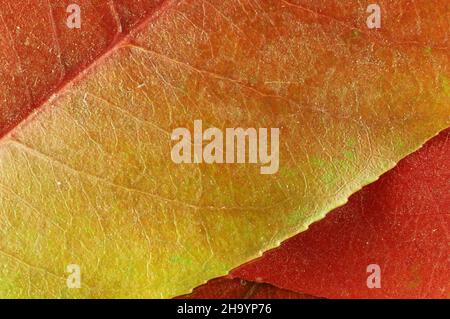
<point>399,222</point>
<point>40,54</point>
<point>89,180</point>
<point>222,288</point>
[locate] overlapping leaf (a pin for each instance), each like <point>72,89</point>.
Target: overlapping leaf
<point>400,223</point>
<point>222,288</point>
<point>89,179</point>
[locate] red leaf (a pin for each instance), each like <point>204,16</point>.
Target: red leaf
<point>223,288</point>
<point>401,222</point>
<point>41,56</point>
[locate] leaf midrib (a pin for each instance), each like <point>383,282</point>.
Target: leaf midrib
<point>120,39</point>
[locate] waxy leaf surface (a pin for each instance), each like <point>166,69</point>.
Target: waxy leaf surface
<point>88,179</point>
